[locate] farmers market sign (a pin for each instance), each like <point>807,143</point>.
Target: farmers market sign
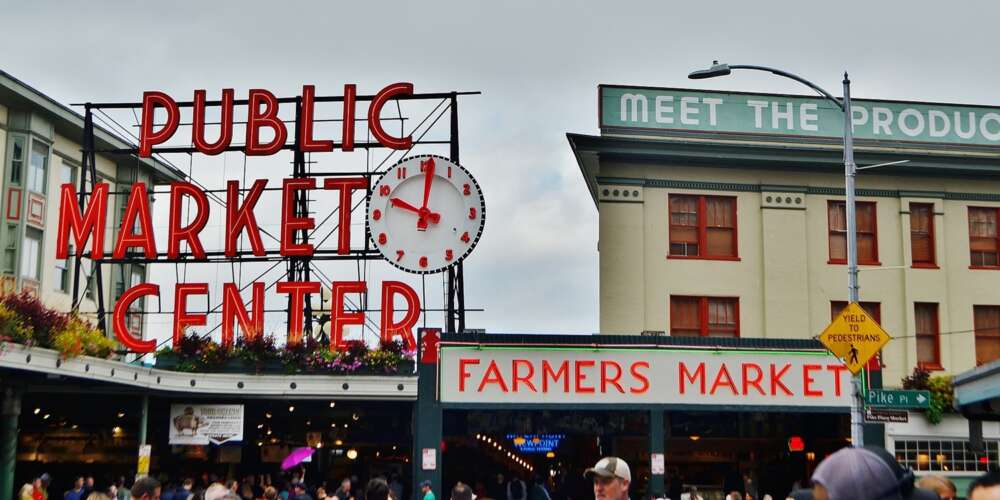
<point>772,114</point>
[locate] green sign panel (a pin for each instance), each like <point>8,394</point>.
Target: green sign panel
<point>770,114</point>
<point>884,398</point>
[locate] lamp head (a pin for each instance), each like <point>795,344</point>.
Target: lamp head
<point>716,70</point>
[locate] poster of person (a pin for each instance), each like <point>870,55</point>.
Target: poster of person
<point>204,424</point>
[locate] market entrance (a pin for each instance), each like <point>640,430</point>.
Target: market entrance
<point>487,448</point>
<point>749,452</point>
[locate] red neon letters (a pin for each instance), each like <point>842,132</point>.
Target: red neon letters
<point>263,112</point>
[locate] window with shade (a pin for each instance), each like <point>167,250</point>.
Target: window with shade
<point>703,227</point>
<point>983,237</point>
<point>866,232</point>
<point>928,335</point>
<point>704,316</point>
<point>922,234</point>
<point>987,325</point>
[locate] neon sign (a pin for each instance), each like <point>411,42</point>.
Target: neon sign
<point>536,443</point>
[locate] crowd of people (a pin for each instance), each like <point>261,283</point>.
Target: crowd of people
<point>848,474</point>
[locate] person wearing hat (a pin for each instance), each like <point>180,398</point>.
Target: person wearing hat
<point>865,474</point>
<point>611,477</point>
<point>425,488</point>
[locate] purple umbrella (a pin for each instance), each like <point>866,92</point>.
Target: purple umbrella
<point>296,457</point>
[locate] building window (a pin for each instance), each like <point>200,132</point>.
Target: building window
<point>928,335</point>
<point>703,226</point>
<point>135,311</point>
<point>922,234</point>
<point>866,232</point>
<point>16,159</point>
<point>983,237</point>
<point>987,325</point>
<point>946,455</point>
<point>38,166</point>
<point>704,316</point>
<point>64,272</point>
<point>31,255</point>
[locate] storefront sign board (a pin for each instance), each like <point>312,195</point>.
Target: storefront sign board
<point>204,424</point>
<point>690,110</point>
<point>566,376</point>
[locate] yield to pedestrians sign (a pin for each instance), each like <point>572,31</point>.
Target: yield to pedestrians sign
<point>854,337</point>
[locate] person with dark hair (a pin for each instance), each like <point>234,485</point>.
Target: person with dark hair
<point>146,488</point>
<point>377,489</point>
<point>461,491</point>
<point>986,487</point>
<point>427,489</point>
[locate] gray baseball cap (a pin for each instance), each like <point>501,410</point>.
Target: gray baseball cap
<point>610,467</point>
<point>867,474</point>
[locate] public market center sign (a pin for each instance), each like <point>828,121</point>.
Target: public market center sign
<point>556,376</point>
<point>653,109</point>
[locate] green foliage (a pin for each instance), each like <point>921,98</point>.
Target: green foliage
<point>77,337</point>
<point>25,320</point>
<point>941,389</point>
<point>13,328</point>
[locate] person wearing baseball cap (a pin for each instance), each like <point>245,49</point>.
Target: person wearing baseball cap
<point>865,474</point>
<point>611,477</point>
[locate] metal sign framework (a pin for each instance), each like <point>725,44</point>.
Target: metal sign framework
<point>299,268</point>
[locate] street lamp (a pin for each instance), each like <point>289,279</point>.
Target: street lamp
<point>850,169</point>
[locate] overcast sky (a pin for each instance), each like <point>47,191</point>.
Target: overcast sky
<point>538,64</point>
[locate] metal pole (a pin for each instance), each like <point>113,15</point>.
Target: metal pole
<point>143,419</point>
<point>850,169</point>
<point>9,413</point>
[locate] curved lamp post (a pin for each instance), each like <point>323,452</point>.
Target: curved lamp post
<point>850,169</point>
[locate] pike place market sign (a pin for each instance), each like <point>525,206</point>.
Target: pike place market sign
<point>771,114</point>
<point>554,376</point>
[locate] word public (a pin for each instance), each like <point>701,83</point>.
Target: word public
<point>262,113</point>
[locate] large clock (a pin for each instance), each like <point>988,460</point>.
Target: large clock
<point>425,214</point>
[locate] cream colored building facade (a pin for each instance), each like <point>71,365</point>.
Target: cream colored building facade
<point>40,149</point>
<point>782,185</point>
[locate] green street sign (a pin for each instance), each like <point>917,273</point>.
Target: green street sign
<point>885,398</point>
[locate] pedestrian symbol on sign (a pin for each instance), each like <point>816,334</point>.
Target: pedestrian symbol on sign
<point>853,354</point>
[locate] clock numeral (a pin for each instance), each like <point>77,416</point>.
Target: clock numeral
<point>382,238</point>
<point>465,237</point>
<point>377,214</point>
<point>383,190</point>
<point>401,173</point>
<point>449,255</point>
<point>423,261</point>
<point>472,212</point>
<point>399,255</point>
<point>449,171</point>
<point>466,190</point>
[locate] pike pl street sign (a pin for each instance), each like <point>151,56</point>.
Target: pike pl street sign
<point>882,398</point>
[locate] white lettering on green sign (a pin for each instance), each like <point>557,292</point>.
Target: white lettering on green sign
<point>705,111</point>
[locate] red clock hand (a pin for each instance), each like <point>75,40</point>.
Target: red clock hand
<point>421,212</point>
<point>398,203</point>
<point>428,168</point>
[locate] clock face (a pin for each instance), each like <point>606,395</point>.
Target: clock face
<point>425,214</point>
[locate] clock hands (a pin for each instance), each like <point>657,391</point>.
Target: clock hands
<point>428,169</point>
<point>422,213</point>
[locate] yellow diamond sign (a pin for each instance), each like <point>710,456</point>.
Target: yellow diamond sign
<point>854,337</point>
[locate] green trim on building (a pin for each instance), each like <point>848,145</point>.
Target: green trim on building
<point>817,190</point>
